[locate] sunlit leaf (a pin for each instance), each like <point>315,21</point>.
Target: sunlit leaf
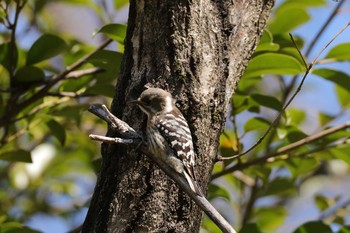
<point>295,116</point>
<point>17,156</point>
<point>16,227</point>
<point>299,166</point>
<point>228,143</point>
<point>266,43</point>
<point>325,118</point>
<point>120,3</point>
<point>343,96</point>
<point>344,229</point>
<point>288,17</point>
<point>47,46</point>
<point>273,63</point>
<point>116,32</point>
<point>321,202</point>
<point>210,226</point>
<point>309,2</point>
<point>342,153</point>
<point>313,227</point>
<point>256,123</point>
<point>340,52</point>
<point>268,219</point>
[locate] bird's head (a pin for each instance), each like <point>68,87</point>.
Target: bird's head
<point>154,100</point>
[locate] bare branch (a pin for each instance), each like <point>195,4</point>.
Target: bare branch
<point>131,137</point>
<point>333,209</point>
<point>80,73</point>
<point>123,141</point>
<point>282,150</point>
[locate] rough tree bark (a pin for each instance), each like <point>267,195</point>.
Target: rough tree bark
<point>197,50</point>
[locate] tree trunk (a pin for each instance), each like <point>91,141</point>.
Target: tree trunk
<point>197,50</point>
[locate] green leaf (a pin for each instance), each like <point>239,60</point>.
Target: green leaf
<point>57,130</point>
<point>309,2</point>
<point>288,17</point>
<point>325,118</point>
<point>334,76</point>
<point>298,166</point>
<point>267,101</point>
<point>5,54</point>
<point>120,3</point>
<point>240,103</point>
<point>321,202</point>
<point>273,63</point>
<point>116,32</point>
<point>279,186</point>
<point>215,191</point>
<point>108,60</point>
<point>256,123</point>
<point>15,227</point>
<point>29,74</point>
<point>101,89</point>
<point>295,134</point>
<point>246,84</point>
<point>17,156</point>
<point>47,46</point>
<point>295,116</point>
<point>270,218</point>
<point>266,43</point>
<point>228,143</point>
<point>344,229</point>
<point>284,41</point>
<point>250,228</point>
<point>341,153</point>
<point>313,227</point>
<point>340,52</point>
<point>343,96</point>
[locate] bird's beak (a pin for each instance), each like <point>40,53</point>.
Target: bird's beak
<point>137,101</point>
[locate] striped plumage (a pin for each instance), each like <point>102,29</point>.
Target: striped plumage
<point>168,134</point>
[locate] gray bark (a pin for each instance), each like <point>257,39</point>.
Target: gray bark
<point>197,50</point>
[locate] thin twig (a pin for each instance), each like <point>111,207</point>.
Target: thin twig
<point>80,73</point>
<point>283,150</point>
<point>276,120</point>
<point>133,138</point>
<point>333,209</point>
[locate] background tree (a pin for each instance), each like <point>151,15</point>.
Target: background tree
<point>43,102</point>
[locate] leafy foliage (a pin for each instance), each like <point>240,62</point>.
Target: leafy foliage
<point>46,158</point>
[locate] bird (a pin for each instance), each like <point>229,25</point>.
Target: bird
<point>168,135</point>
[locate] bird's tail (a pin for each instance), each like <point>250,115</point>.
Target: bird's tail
<point>193,185</point>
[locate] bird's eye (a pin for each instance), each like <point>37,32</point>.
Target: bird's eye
<point>147,101</point>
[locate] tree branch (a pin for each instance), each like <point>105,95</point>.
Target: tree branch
<point>129,136</point>
<point>331,210</point>
<point>283,150</point>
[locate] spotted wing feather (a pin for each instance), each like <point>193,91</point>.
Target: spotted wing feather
<point>174,129</point>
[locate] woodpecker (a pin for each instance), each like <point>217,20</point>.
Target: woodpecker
<point>168,135</point>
